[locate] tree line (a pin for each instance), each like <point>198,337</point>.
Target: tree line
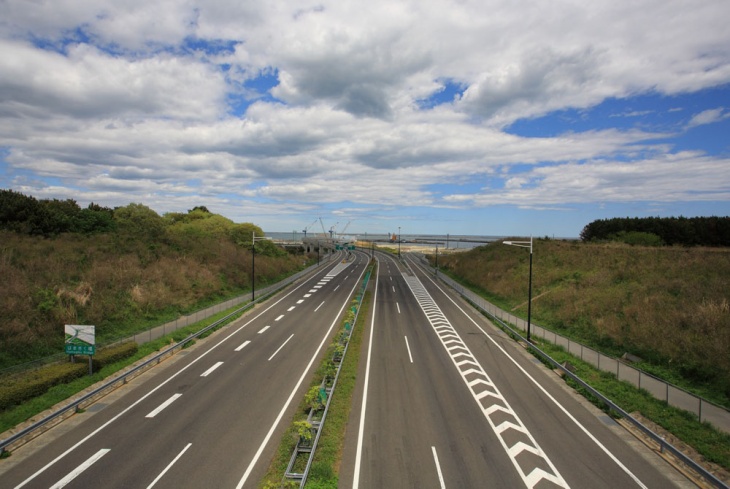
<point>48,218</point>
<point>683,231</point>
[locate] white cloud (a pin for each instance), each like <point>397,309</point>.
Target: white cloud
<point>88,84</point>
<point>117,99</point>
<point>708,117</point>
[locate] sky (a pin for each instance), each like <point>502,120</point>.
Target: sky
<point>488,117</point>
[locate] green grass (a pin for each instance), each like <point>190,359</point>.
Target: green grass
<point>326,462</point>
<point>666,305</point>
<point>19,414</point>
<point>325,465</point>
<point>711,443</point>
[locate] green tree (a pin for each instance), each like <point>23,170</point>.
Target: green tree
<point>138,220</point>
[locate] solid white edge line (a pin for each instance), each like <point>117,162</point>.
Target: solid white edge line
<point>361,428</point>
<point>268,436</point>
<point>409,349</point>
<point>169,466</point>
<point>243,345</point>
<point>211,369</point>
<point>438,468</point>
<point>78,470</point>
<point>162,406</point>
<point>318,307</point>
<point>282,346</point>
<point>549,396</point>
<point>152,391</point>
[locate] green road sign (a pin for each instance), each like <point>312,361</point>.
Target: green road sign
<point>80,339</point>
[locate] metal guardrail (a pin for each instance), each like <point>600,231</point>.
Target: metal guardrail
<point>664,446</point>
<point>60,414</point>
<point>706,411</point>
<point>169,327</point>
<point>302,477</point>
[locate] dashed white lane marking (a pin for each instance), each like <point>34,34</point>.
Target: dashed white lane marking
<point>264,329</point>
<point>168,466</point>
<point>78,470</point>
<point>532,464</point>
<point>243,345</point>
<point>398,306</point>
<point>300,301</point>
<point>162,406</point>
<point>291,309</point>
<point>307,295</point>
<point>279,318</point>
<point>282,346</point>
<point>319,307</point>
<point>409,349</point>
<point>438,468</point>
<point>211,369</point>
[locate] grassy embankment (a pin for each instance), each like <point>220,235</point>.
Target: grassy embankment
<point>120,284</point>
<point>12,417</point>
<point>667,305</point>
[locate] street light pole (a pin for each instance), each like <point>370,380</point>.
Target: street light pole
<point>398,241</point>
<point>253,264</point>
<point>436,270</point>
<point>526,244</point>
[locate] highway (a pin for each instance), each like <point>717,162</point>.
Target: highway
<point>212,417</point>
<point>447,400</point>
<point>444,400</point>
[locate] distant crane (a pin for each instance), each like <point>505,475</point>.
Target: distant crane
<point>307,228</point>
<point>342,233</point>
<point>332,230</point>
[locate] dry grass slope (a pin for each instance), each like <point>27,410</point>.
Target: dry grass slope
<point>668,305</point>
<point>114,283</point>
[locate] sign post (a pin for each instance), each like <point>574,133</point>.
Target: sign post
<point>80,340</point>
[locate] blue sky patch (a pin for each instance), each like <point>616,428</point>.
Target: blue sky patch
<point>649,112</point>
<point>449,90</point>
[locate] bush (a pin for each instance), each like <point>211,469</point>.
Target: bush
<point>637,238</point>
<point>108,356</point>
<point>18,389</point>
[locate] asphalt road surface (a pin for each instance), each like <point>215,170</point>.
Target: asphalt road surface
<point>446,400</point>
<point>210,418</point>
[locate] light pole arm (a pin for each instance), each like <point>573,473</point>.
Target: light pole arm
<point>528,245</point>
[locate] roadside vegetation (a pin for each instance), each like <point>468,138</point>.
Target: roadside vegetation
<point>667,305</point>
<point>712,444</point>
<point>14,415</point>
<point>324,472</point>
<point>123,270</point>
